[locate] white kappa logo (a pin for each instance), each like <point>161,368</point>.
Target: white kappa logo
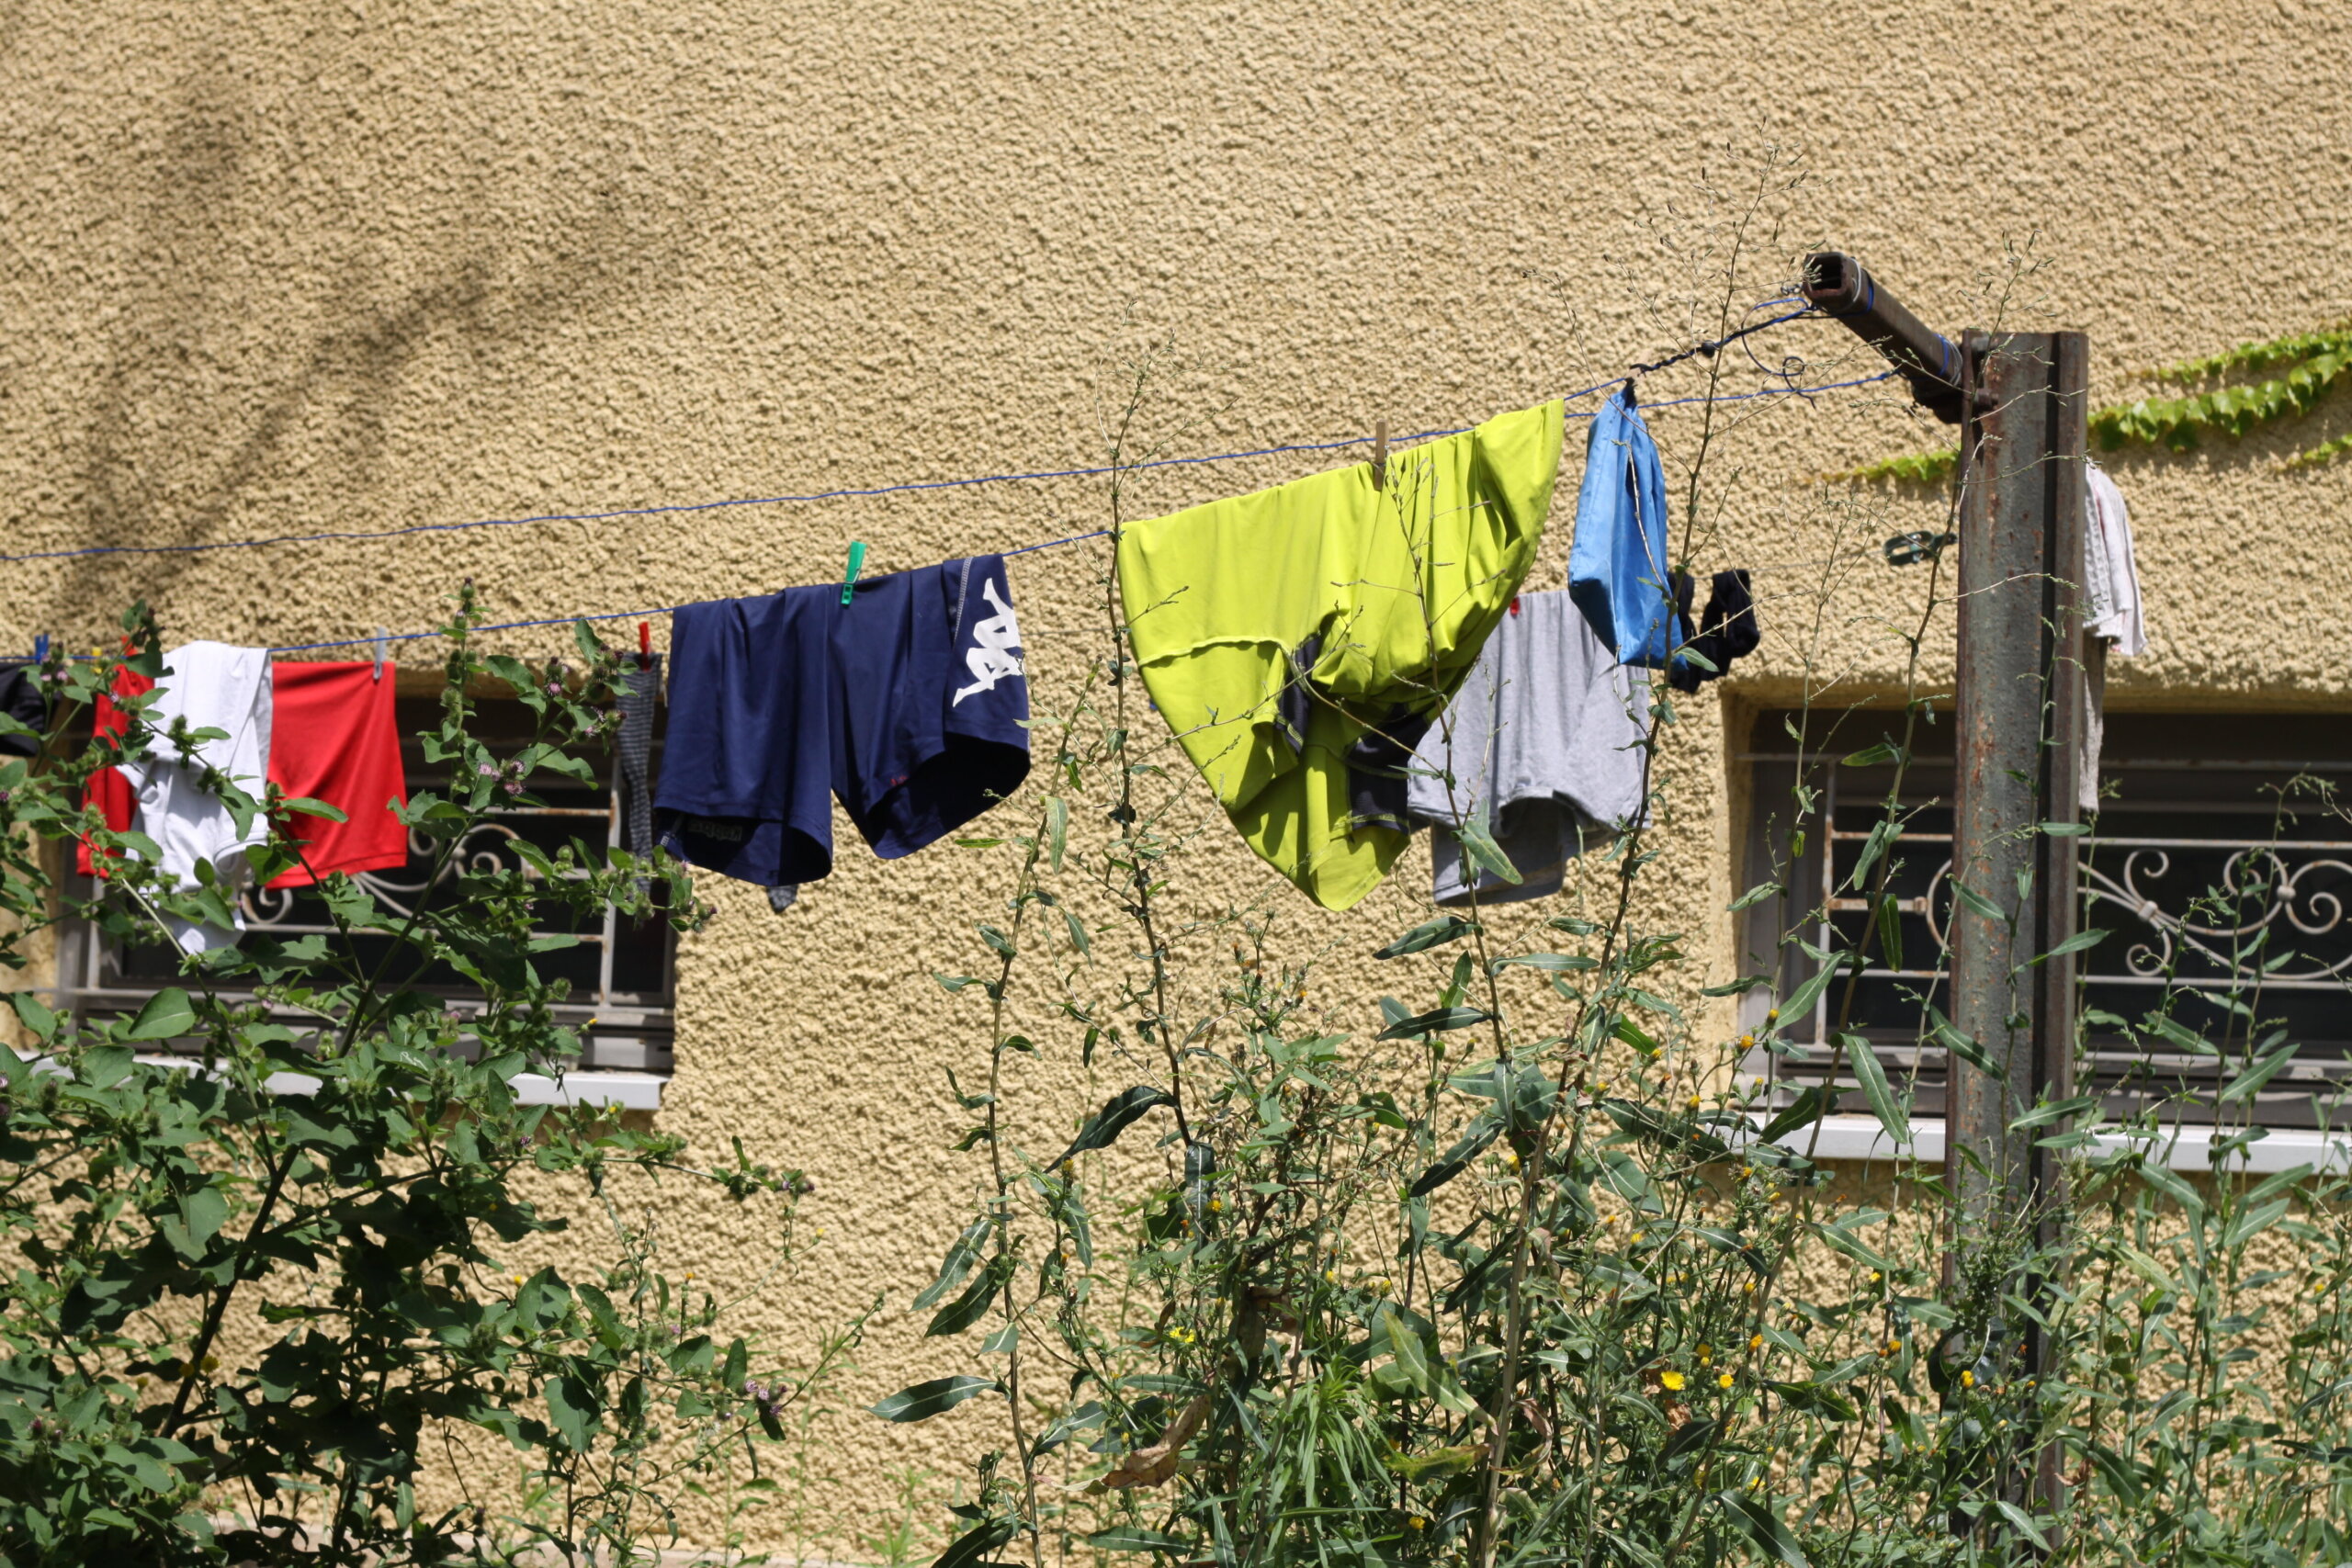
<point>996,650</point>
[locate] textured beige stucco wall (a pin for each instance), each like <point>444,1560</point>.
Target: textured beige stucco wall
<point>278,268</point>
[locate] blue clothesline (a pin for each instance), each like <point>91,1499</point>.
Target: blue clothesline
<point>911,487</point>
<point>1070,539</point>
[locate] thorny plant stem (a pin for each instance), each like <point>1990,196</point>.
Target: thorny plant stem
<point>1130,844</point>
<point>1025,893</point>
<point>1630,860</point>
<point>1800,1216</point>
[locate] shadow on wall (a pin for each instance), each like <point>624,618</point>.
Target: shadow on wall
<point>180,433</point>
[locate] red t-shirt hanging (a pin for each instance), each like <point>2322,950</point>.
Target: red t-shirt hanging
<point>107,790</point>
<point>333,736</point>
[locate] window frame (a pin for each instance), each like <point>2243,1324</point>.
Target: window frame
<point>627,1036</point>
<point>2139,781</point>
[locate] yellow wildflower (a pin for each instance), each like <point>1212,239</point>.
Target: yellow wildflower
<point>1967,1378</point>
<point>1673,1381</point>
<point>1723,1380</point>
<point>1756,1341</point>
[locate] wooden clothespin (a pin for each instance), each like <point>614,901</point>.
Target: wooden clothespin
<point>1380,454</point>
<point>856,565</point>
<point>384,646</point>
<point>645,645</point>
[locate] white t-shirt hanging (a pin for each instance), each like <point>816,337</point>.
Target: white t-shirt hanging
<point>2111,580</point>
<point>2113,619</point>
<point>213,686</point>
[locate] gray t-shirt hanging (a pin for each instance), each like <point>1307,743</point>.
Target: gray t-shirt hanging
<point>1541,746</point>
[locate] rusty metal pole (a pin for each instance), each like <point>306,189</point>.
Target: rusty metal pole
<point>2020,399</point>
<point>2018,729</point>
<point>2021,714</point>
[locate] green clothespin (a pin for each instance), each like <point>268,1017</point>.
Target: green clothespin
<point>856,564</point>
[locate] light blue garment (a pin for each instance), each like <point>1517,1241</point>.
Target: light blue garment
<point>1617,569</point>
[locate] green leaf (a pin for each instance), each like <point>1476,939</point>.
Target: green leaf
<point>2174,1187</point>
<point>1117,1112</point>
<point>2051,1111</point>
<point>167,1014</point>
<point>2249,1082</point>
<point>2075,943</point>
<point>1876,1090</point>
<point>966,1308</point>
<point>103,1067</point>
<point>1446,928</point>
<point>1754,895</point>
<point>573,1406</point>
<point>1435,1022</point>
<point>1057,832</point>
<point>1738,987</point>
<point>1405,1345</point>
<point>1557,963</point>
<point>1763,1527</point>
<point>961,1255</point>
<point>1800,1001</point>
<point>1810,1107</point>
<point>2254,1222</point>
<point>35,1016</point>
<point>2023,1521</point>
<point>1842,1239</point>
<point>976,1543</point>
<point>1135,1538</point>
<point>2065,830</point>
<point>204,1212</point>
<point>925,1400</point>
<point>1478,847</point>
<point>309,807</point>
<point>1874,756</point>
<point>1946,1034</point>
<point>1977,902</point>
<point>1484,1129</point>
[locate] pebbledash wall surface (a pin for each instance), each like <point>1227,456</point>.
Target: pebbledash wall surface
<point>280,268</point>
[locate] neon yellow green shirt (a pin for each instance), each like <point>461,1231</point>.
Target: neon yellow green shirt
<point>1389,593</point>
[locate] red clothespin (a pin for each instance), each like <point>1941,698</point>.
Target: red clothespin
<point>1514,604</point>
<point>645,645</point>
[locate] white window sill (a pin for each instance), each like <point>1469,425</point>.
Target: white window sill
<point>621,1090</point>
<point>1860,1138</point>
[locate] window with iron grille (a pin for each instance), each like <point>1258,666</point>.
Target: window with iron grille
<point>620,1002</point>
<point>2220,866</point>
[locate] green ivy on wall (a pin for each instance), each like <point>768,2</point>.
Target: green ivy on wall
<point>2308,365</point>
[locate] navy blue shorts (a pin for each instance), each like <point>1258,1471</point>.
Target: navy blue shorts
<point>907,704</point>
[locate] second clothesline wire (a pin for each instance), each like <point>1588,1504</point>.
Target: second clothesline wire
<point>1096,533</point>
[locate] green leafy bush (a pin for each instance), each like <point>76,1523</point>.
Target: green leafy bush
<point>257,1234</point>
